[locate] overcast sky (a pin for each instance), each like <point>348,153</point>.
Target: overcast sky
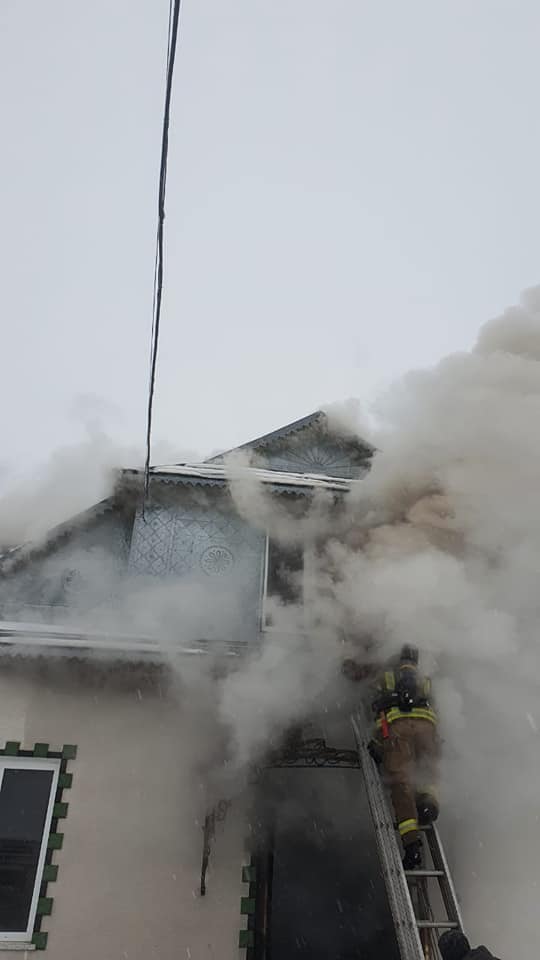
<point>353,189</point>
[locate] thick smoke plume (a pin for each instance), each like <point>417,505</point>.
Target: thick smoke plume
<point>73,478</point>
<point>438,546</point>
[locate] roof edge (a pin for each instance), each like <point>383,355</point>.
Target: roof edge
<point>13,557</point>
<point>215,474</point>
<point>35,637</point>
<point>266,438</point>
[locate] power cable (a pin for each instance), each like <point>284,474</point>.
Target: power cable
<point>174,17</point>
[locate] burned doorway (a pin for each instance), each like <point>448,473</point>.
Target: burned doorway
<point>320,891</point>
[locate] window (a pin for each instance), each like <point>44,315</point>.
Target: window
<point>284,580</point>
<point>27,794</point>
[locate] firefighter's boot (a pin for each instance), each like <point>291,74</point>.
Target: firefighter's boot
<point>413,856</point>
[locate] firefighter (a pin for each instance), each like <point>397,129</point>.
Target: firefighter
<point>406,744</point>
<point>454,945</point>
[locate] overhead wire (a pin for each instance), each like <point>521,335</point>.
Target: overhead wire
<point>172,38</point>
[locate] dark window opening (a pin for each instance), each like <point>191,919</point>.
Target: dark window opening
<point>284,576</point>
<point>24,801</point>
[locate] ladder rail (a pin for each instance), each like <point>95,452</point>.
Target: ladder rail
<point>446,884</point>
<point>397,888</point>
<point>414,932</point>
<point>425,912</point>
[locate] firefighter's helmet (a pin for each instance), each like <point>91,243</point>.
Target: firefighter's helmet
<point>409,654</point>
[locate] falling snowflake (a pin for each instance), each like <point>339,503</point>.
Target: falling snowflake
<point>532,723</point>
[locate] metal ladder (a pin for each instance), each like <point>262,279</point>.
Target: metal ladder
<point>410,892</point>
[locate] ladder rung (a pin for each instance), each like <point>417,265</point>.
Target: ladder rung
<point>437,924</point>
<point>424,873</point>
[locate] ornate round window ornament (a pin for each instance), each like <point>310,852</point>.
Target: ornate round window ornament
<point>216,560</point>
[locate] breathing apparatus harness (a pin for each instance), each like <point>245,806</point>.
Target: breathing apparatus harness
<point>404,691</point>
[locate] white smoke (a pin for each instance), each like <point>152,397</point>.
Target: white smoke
<point>438,546</point>
<point>74,477</point>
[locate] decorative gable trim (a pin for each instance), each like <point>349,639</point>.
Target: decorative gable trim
<point>329,448</point>
<point>270,438</point>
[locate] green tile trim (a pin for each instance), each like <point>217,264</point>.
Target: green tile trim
<point>55,841</point>
<point>60,810</point>
<point>40,940</point>
<point>44,907</point>
<point>246,939</point>
<point>249,874</point>
<point>247,905</point>
<point>50,873</point>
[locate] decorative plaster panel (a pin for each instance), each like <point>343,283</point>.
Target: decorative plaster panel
<point>202,544</point>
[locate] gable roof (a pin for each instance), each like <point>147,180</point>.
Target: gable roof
<point>195,475</point>
<point>318,417</point>
<point>12,557</point>
<point>209,473</point>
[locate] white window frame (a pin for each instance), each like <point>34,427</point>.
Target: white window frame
<point>32,763</point>
<point>266,627</point>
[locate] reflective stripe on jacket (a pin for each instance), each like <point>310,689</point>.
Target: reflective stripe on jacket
<point>417,713</point>
<point>424,711</point>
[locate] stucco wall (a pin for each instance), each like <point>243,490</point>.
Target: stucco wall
<point>129,869</point>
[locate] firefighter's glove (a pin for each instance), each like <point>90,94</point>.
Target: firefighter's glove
<point>375,751</point>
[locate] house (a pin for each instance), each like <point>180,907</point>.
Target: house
<point>107,814</point>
